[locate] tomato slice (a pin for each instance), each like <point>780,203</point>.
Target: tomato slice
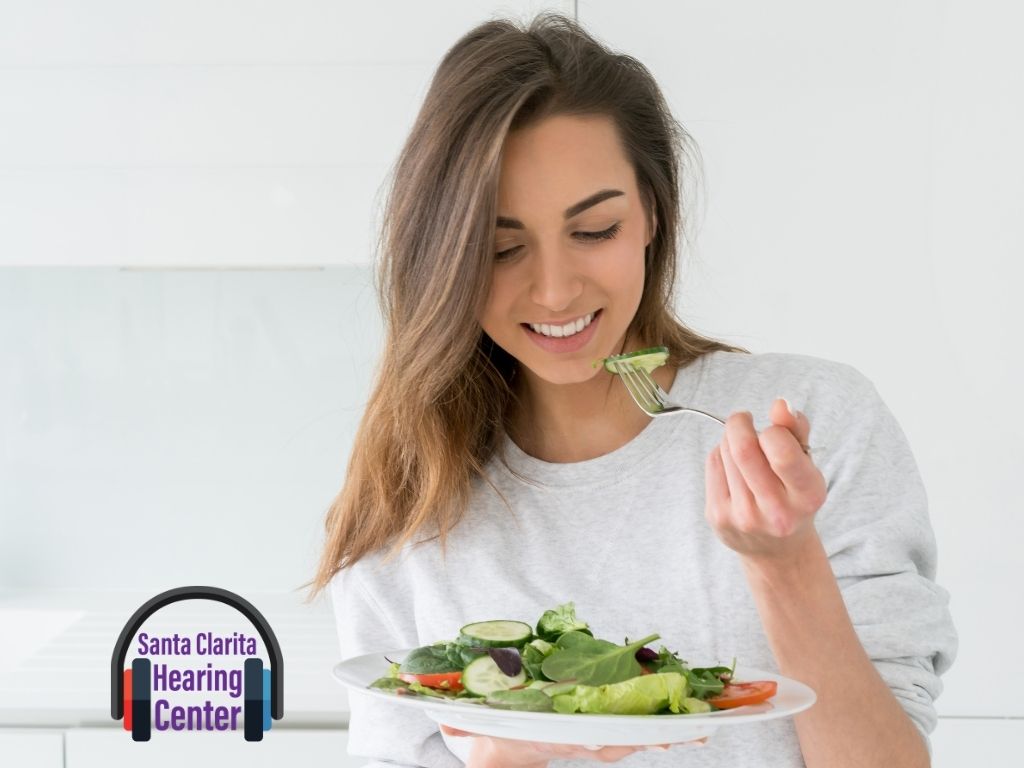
<point>741,694</point>
<point>448,681</point>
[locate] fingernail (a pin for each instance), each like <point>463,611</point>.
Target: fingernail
<point>788,406</point>
<point>593,747</point>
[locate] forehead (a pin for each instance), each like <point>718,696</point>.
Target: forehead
<point>560,160</point>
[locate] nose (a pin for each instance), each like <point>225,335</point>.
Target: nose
<point>555,281</point>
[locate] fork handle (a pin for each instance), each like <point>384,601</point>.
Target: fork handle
<point>702,413</point>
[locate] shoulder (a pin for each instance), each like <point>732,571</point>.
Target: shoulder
<point>797,375</point>
<point>823,389</point>
<point>785,366</point>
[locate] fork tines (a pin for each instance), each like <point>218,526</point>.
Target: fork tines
<point>641,392</point>
<point>659,394</point>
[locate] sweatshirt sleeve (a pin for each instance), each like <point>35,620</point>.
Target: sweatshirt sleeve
<point>391,735</point>
<point>877,532</point>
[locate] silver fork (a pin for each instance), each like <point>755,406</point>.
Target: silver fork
<point>654,400</point>
<point>649,395</point>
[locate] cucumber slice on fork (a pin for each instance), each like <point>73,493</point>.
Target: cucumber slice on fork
<point>643,359</point>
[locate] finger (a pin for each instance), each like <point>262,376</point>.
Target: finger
<point>784,414</point>
<point>714,478</point>
<point>693,743</point>
<point>455,731</point>
<point>745,446</point>
<point>805,485</point>
<point>741,501</point>
<point>797,473</point>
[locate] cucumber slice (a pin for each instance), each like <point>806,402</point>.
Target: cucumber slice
<point>647,359</point>
<point>483,676</point>
<point>496,634</point>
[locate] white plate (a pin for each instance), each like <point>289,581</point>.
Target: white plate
<point>579,728</point>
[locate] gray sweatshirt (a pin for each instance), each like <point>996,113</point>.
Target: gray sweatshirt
<point>624,537</point>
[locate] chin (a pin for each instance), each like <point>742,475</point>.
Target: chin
<point>568,372</point>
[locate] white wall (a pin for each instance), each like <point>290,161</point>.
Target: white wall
<point>198,132</point>
<point>863,169</point>
<point>864,203</point>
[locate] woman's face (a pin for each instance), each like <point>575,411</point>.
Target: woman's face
<point>569,248</point>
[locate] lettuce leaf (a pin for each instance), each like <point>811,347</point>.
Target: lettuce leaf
<point>643,695</point>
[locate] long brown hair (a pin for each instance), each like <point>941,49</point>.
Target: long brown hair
<point>441,399</point>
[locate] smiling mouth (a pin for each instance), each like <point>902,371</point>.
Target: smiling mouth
<point>563,331</point>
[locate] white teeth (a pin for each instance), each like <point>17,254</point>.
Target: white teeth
<point>561,331</point>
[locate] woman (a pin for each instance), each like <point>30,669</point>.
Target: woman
<point>531,229</point>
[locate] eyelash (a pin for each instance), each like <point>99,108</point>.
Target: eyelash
<point>606,234</point>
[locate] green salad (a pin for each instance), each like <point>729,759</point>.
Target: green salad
<point>559,666</point>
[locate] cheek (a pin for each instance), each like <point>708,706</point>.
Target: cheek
<point>623,270</point>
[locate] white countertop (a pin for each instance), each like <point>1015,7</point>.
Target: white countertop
<point>55,651</point>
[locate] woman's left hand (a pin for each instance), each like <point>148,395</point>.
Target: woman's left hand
<point>762,490</point>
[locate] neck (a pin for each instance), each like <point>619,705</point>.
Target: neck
<point>562,423</point>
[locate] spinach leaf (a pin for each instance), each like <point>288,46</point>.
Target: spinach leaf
<point>703,683</point>
<point>593,662</point>
<point>668,662</point>
<point>709,681</point>
<point>460,655</point>
<point>440,657</point>
<point>576,637</point>
<point>429,660</point>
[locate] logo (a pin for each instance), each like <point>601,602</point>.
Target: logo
<point>131,689</point>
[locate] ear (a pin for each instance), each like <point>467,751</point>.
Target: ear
<point>653,226</point>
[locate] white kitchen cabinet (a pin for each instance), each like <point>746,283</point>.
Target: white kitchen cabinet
<point>31,748</point>
<point>114,748</point>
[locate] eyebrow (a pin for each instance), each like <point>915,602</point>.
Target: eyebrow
<point>572,210</point>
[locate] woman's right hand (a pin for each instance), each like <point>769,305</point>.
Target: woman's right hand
<point>494,752</point>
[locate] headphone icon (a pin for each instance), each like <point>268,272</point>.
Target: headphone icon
<point>130,688</point>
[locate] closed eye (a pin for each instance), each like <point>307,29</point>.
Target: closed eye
<point>606,234</point>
